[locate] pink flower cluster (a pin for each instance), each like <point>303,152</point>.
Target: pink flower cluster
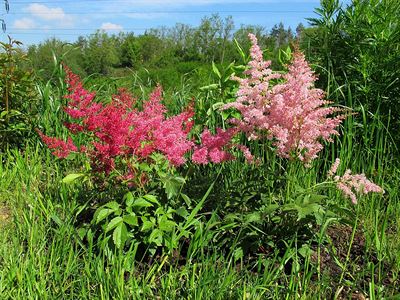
<point>212,147</point>
<point>350,184</point>
<point>292,113</point>
<point>118,132</point>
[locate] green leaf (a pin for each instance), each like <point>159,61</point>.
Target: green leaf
<point>187,200</point>
<point>140,202</point>
<point>112,205</point>
<point>151,198</point>
<point>213,86</point>
<point>145,167</point>
<point>102,214</point>
<point>166,225</point>
<point>156,237</point>
<point>72,177</point>
<point>181,211</point>
<point>240,50</point>
<point>216,71</point>
<point>129,198</point>
<point>253,217</point>
<point>114,223</point>
<point>305,250</point>
<point>172,185</point>
<point>269,209</point>
<point>147,225</point>
<point>131,220</point>
<point>237,254</point>
<point>120,235</point>
<point>82,232</point>
<point>217,105</point>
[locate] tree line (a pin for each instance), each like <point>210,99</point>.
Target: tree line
<point>182,47</point>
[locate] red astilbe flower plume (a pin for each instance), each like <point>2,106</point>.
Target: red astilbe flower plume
<point>116,132</point>
<point>60,148</point>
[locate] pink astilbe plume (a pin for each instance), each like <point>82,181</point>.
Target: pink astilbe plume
<point>293,114</point>
<point>299,117</point>
<point>254,95</point>
<point>351,184</point>
<point>214,148</point>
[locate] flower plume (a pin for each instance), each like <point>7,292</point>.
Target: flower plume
<point>293,114</point>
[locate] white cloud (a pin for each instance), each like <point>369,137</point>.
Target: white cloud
<point>111,26</point>
<point>24,23</point>
<point>46,13</point>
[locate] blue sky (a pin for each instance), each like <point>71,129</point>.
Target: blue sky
<point>34,21</point>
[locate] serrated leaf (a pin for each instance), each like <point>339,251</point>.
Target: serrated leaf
<point>181,211</point>
<point>166,225</point>
<point>131,220</point>
<point>253,217</point>
<point>113,205</point>
<point>114,223</point>
<point>145,167</point>
<point>305,250</point>
<point>120,235</point>
<point>172,185</point>
<point>217,105</point>
<point>156,237</point>
<point>102,214</point>
<point>210,87</point>
<point>147,225</point>
<point>82,232</point>
<point>187,200</point>
<point>72,177</point>
<point>269,209</point>
<point>237,254</point>
<point>129,198</point>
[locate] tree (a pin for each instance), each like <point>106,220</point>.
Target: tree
<point>100,53</point>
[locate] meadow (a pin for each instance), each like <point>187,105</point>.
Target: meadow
<point>156,169</point>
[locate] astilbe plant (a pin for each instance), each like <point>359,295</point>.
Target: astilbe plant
<point>287,109</point>
<point>290,111</point>
<point>131,149</point>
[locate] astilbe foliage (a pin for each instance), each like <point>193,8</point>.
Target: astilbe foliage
<point>291,112</point>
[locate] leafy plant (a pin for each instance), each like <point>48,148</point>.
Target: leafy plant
<point>18,92</point>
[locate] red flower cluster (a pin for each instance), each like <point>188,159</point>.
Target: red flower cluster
<point>119,132</point>
<point>60,148</point>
